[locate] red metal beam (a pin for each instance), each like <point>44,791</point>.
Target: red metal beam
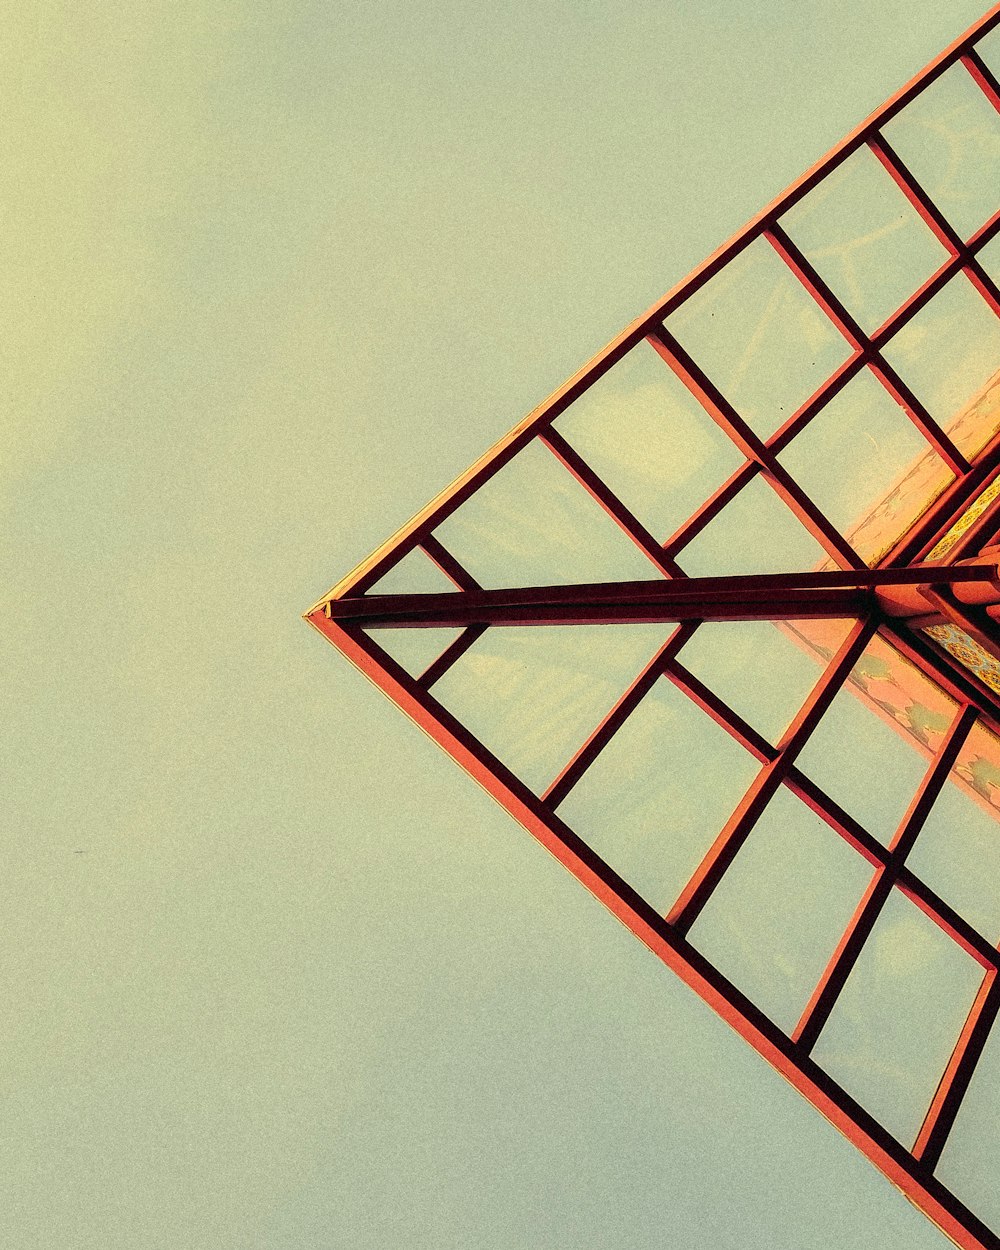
<point>775,596</point>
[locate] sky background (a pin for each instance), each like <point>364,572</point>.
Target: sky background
<point>278,974</point>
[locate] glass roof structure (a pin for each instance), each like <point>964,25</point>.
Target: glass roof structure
<point>719,624</point>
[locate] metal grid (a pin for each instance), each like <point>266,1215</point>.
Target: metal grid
<point>345,615</point>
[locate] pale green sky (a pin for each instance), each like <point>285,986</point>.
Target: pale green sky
<point>276,272</point>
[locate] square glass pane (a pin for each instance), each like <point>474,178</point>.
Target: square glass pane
<point>646,436</point>
<point>893,1028</point>
<point>655,799</point>
<point>970,1161</point>
<point>533,524</point>
<point>958,850</point>
<point>865,238</point>
<point>763,670</point>
<point>776,917</point>
<point>949,139</point>
<point>754,533</point>
<point>760,336</point>
<point>948,355</point>
<point>532,695</point>
<point>867,466</point>
<point>875,742</point>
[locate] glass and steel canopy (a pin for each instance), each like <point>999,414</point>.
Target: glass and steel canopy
<point>719,623</point>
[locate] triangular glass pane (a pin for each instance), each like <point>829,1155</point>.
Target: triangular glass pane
<point>654,800</point>
<point>949,138</point>
<point>754,533</point>
<point>415,574</point>
<point>760,336</point>
<point>643,432</point>
<point>777,915</point>
<point>533,694</point>
<point>867,241</point>
<point>877,739</point>
<point>414,649</point>
<point>533,524</point>
<point>899,1016</point>
<point>762,670</point>
<point>958,850</point>
<point>948,355</point>
<point>867,466</point>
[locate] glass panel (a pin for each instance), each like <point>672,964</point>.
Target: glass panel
<point>866,465</point>
<point>968,652</point>
<point>655,799</point>
<point>947,354</point>
<point>763,670</point>
<point>533,694</point>
<point>533,524</point>
<point>776,917</point>
<point>958,850</point>
<point>414,649</point>
<point>894,1026</point>
<point>754,533</point>
<point>415,574</point>
<point>867,241</point>
<point>760,336</point>
<point>649,439</point>
<point>970,1162</point>
<point>949,139</point>
<point>875,742</point>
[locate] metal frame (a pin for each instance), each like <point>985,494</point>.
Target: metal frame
<point>349,611</point>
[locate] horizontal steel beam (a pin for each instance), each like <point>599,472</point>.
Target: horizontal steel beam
<point>778,596</point>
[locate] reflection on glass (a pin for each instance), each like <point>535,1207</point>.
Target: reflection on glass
<point>761,669</point>
<point>648,438</point>
<point>415,574</point>
<point>970,1162</point>
<point>760,336</point>
<point>532,694</point>
<point>754,533</point>
<point>948,355</point>
<point>949,139</point>
<point>958,850</point>
<point>534,524</point>
<point>971,514</point>
<point>776,917</point>
<point>414,649</point>
<point>875,741</point>
<point>968,652</point>
<point>654,800</point>
<point>866,465</point>
<point>867,241</point>
<point>893,1028</point>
